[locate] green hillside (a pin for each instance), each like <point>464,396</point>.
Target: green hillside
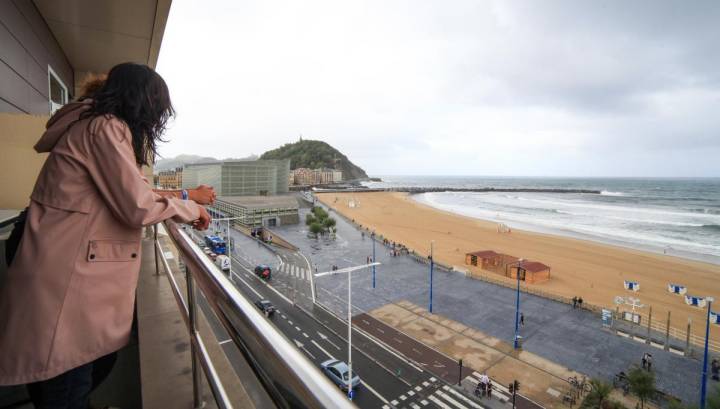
<point>313,155</point>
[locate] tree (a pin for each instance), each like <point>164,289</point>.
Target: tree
<point>319,213</point>
<point>598,396</point>
<point>316,228</point>
<point>309,219</point>
<point>713,399</point>
<point>642,384</point>
<point>329,223</point>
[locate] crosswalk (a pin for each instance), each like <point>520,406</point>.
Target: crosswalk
<point>433,394</point>
<point>498,391</point>
<point>293,270</point>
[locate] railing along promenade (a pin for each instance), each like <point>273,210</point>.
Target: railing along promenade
<point>419,190</point>
<point>288,377</point>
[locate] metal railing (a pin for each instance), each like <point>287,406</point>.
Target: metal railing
<point>288,377</point>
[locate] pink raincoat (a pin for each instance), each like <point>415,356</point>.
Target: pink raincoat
<point>69,294</point>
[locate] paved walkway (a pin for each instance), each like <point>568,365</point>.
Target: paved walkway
<point>554,331</point>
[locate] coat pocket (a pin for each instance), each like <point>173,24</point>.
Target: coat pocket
<point>113,250</point>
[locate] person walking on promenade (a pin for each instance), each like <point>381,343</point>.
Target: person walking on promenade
<point>715,370</point>
<point>580,301</point>
<point>575,301</point>
<point>70,290</point>
<point>522,319</point>
<point>489,388</point>
<point>644,360</point>
<point>649,362</point>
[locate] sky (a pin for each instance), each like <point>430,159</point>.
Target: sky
<point>479,87</point>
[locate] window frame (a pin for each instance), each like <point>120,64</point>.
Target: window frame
<point>66,95</point>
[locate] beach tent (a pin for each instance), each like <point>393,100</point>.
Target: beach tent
<point>695,301</point>
<point>714,318</point>
<point>632,285</point>
<point>677,289</point>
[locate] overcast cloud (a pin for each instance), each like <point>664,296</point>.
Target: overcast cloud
<point>536,88</point>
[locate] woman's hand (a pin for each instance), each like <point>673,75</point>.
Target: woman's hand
<point>203,222</point>
<point>203,194</point>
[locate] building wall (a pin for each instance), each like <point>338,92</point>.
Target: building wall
<point>27,48</point>
<point>208,174</point>
<point>240,178</point>
<point>258,217</point>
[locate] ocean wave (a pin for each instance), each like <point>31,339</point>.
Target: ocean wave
<point>609,193</point>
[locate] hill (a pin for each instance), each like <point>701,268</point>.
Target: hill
<point>316,154</point>
<point>180,160</point>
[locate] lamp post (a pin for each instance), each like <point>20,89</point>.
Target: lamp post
<point>703,380</point>
<point>432,261</point>
<point>516,344</point>
<point>372,237</point>
<point>349,271</point>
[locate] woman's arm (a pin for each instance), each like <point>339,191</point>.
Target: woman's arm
<point>111,164</point>
<point>203,194</point>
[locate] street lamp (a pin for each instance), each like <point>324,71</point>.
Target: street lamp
<point>432,262</point>
<point>348,271</point>
<point>372,237</point>
<point>703,380</point>
<point>520,269</point>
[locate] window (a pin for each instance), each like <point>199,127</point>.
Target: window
<point>58,91</point>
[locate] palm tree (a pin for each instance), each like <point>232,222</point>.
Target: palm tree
<point>598,396</point>
<point>642,384</point>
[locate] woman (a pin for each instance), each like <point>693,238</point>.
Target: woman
<point>69,294</point>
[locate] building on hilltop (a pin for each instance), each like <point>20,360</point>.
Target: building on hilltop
<point>258,211</point>
<point>240,178</point>
<point>170,179</point>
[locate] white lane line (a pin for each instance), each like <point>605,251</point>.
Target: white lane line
<point>248,286</point>
<point>466,400</point>
<point>323,350</point>
<point>306,335</point>
<point>224,341</point>
<point>426,384</point>
<point>403,397</point>
<point>374,392</point>
<point>394,402</point>
<point>418,388</point>
<point>383,346</point>
<point>424,402</point>
<point>283,315</point>
<point>290,322</point>
<point>451,400</point>
<point>439,402</point>
<point>415,406</point>
<point>410,393</point>
<point>297,328</point>
<point>325,338</point>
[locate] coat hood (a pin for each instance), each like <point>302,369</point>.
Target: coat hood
<point>58,125</point>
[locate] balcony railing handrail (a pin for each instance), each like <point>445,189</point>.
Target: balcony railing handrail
<point>288,376</point>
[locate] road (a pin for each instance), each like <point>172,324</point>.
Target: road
<point>388,379</point>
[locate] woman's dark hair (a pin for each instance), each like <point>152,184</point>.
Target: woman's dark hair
<point>139,96</point>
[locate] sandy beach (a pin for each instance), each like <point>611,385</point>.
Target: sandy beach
<point>588,269</point>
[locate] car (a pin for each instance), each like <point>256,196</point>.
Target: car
<point>263,271</point>
<point>337,371</point>
<point>266,307</point>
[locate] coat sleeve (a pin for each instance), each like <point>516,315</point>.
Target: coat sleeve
<point>126,192</point>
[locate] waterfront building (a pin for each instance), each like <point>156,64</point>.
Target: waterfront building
<point>322,176</point>
<point>259,211</point>
<point>170,179</point>
<point>240,178</point>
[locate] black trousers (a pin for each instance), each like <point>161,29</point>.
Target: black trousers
<point>71,390</point>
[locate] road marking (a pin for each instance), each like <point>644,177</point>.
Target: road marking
<point>410,393</point>
<point>415,406</point>
<point>290,322</point>
<point>439,402</point>
<point>426,384</point>
<point>326,352</point>
<point>305,335</point>
<point>424,402</point>
<point>374,391</point>
<point>418,388</point>
<point>297,328</point>
<point>456,393</point>
<point>394,402</point>
<point>325,338</point>
<point>248,286</point>
<point>433,379</point>
<point>224,341</point>
<point>451,400</point>
<point>301,346</point>
<point>283,315</point>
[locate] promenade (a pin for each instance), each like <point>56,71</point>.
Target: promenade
<point>553,331</point>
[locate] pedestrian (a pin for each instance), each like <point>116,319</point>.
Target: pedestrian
<point>644,361</point>
<point>362,234</point>
<point>575,301</point>
<point>67,305</point>
<point>489,388</point>
<point>715,370</point>
<point>580,301</point>
<point>649,362</point>
<point>522,319</point>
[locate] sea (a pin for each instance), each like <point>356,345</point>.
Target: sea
<point>675,216</point>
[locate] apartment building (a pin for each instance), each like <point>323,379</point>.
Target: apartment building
<point>170,179</point>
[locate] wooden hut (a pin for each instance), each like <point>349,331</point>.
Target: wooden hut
<point>530,271</point>
<point>489,260</point>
